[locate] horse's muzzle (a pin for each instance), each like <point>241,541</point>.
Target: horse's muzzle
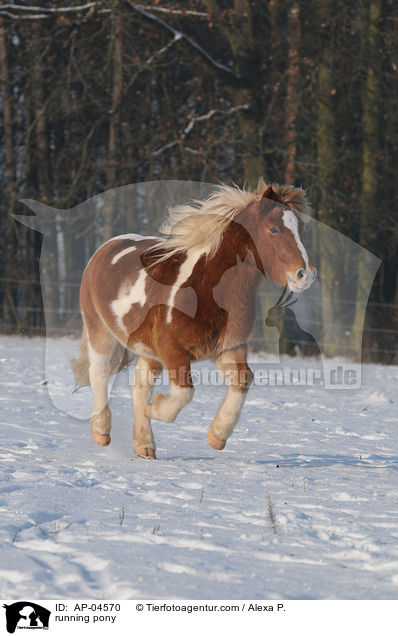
<point>301,280</point>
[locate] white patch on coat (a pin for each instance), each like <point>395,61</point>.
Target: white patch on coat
<point>144,378</point>
<point>126,237</point>
<point>228,413</point>
<point>99,376</point>
<point>142,350</point>
<point>291,223</point>
<point>129,295</point>
<point>131,237</point>
<point>166,407</point>
<point>124,252</point>
<point>185,272</point>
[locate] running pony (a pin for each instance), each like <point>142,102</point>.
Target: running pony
<point>189,296</point>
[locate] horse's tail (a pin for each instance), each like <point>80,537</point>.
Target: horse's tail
<point>80,366</point>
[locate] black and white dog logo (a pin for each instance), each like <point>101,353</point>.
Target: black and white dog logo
<point>26,615</point>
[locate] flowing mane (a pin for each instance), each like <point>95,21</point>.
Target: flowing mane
<point>200,226</point>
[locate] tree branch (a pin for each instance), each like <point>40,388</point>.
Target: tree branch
<point>148,62</point>
<point>221,67</point>
<point>38,16</point>
<point>20,7</point>
<point>194,120</point>
<point>200,14</point>
<point>145,65</point>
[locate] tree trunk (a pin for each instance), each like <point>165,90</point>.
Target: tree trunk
<point>114,121</point>
<point>48,258</point>
<point>292,90</point>
<point>9,316</point>
<point>327,169</point>
<point>242,41</point>
<point>371,136</point>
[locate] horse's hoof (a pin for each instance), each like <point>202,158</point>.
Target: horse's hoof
<point>147,410</point>
<point>101,440</point>
<point>214,442</point>
<point>148,453</point>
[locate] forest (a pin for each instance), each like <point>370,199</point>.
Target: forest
<point>108,93</point>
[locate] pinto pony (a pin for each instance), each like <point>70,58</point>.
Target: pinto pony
<point>187,297</point>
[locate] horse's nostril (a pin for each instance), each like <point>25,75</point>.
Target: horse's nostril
<point>300,274</point>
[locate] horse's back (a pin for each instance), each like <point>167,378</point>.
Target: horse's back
<point>115,266</point>
<point>117,258</point>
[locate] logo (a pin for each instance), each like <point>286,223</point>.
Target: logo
<point>26,615</point>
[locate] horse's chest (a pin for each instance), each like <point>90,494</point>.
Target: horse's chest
<point>205,341</point>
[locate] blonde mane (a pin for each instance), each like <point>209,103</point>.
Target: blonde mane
<point>201,225</point>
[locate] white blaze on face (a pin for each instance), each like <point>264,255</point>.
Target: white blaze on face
<point>129,295</point>
<point>186,270</point>
<point>291,223</point>
<point>124,252</point>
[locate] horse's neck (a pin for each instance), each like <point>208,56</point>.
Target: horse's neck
<point>238,250</point>
<point>236,274</point>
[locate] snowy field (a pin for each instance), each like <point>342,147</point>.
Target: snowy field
<point>302,503</point>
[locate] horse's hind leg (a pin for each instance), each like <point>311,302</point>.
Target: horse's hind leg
<point>146,371</point>
<point>238,378</point>
<point>101,352</point>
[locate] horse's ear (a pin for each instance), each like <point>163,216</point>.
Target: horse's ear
<point>270,194</point>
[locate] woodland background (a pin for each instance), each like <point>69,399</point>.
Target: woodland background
<point>110,92</point>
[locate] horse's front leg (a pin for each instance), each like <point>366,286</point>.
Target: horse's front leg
<point>238,377</point>
<point>167,407</point>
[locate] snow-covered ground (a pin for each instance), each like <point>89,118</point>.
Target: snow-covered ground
<point>302,503</point>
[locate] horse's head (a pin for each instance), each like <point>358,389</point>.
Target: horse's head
<point>276,229</point>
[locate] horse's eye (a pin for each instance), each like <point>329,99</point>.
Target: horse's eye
<point>274,230</point>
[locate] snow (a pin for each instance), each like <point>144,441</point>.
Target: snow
<point>302,503</point>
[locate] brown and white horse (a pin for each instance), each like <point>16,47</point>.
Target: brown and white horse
<point>187,297</point>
